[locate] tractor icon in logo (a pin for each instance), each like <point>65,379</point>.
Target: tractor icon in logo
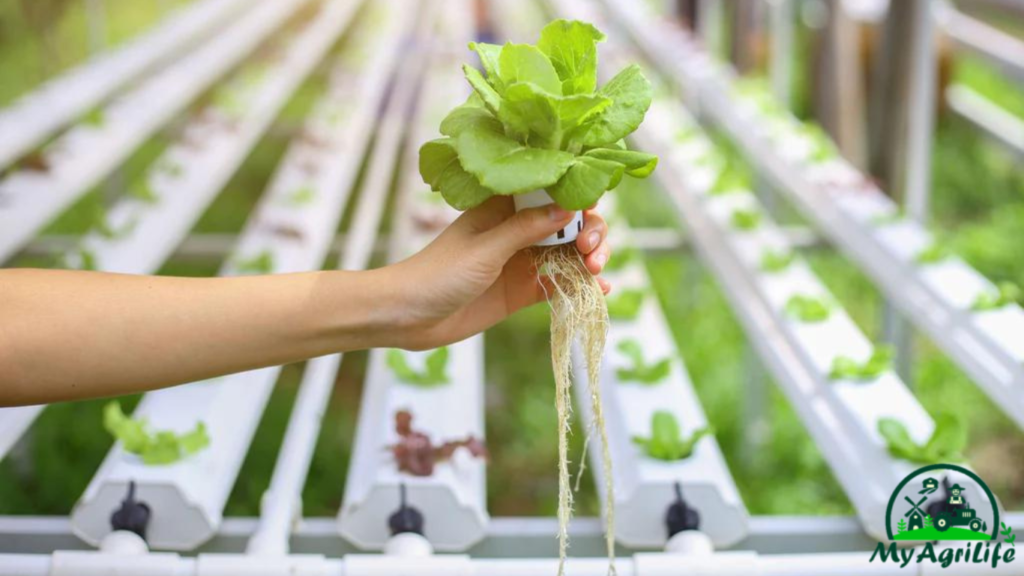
<point>957,513</point>
<point>930,508</point>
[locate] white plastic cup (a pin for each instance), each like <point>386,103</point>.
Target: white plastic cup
<point>541,198</point>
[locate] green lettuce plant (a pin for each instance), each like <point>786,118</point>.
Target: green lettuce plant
<point>808,309</point>
<point>537,120</point>
<point>155,448</point>
<point>846,368</point>
<point>144,193</point>
<point>1006,293</point>
<point>262,263</point>
<point>666,441</point>
<point>301,196</point>
<point>745,219</point>
<point>625,305</point>
<point>934,253</point>
<point>433,373</point>
<point>641,371</point>
<point>946,444</point>
<point>773,261</point>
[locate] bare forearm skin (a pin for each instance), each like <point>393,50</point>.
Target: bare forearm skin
<point>66,335</point>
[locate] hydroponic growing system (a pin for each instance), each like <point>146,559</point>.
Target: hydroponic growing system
<point>389,84</point>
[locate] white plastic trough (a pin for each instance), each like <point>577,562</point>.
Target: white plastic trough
<point>42,112</point>
<point>187,498</point>
<point>841,416</point>
<point>81,157</point>
<point>453,499</point>
<point>190,173</point>
<point>645,487</point>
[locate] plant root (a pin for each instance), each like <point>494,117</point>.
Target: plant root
<point>579,315</point>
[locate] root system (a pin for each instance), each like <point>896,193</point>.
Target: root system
<point>579,315</point>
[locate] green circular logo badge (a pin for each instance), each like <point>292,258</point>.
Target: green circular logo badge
<point>942,502</point>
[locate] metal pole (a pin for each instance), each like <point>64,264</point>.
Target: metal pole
<point>782,50</point>
<point>921,118</point>
<point>916,175</point>
<point>710,25</point>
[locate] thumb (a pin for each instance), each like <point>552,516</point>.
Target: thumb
<point>523,229</point>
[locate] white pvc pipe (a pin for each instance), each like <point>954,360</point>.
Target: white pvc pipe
<point>640,564</point>
<point>24,565</point>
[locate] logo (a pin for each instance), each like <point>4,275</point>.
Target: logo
<point>949,504</point>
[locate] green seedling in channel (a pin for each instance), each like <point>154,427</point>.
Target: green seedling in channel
<point>143,192</point>
<point>846,368</point>
<point>301,196</point>
<point>774,261</point>
<point>934,253</point>
<point>434,368</point>
<point>155,448</point>
<point>666,441</point>
<point>946,444</point>
<point>101,225</point>
<point>808,309</point>
<point>823,149</point>
<point>262,263</point>
<point>744,219</point>
<point>641,371</point>
<point>625,305</point>
<point>1006,293</point>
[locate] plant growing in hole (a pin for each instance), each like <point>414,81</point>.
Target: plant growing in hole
<point>846,368</point>
<point>144,193</point>
<point>774,261</point>
<point>155,448</point>
<point>95,117</point>
<point>731,178</point>
<point>946,444</point>
<point>101,225</point>
<point>745,219</point>
<point>666,441</point>
<point>538,124</point>
<point>1006,293</point>
<point>934,253</point>
<point>416,454</point>
<point>641,371</point>
<point>81,258</point>
<point>823,148</point>
<point>626,304</point>
<point>262,263</point>
<point>301,196</point>
<point>808,309</point>
<point>433,373</point>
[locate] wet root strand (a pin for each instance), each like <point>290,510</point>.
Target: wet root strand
<point>579,314</point>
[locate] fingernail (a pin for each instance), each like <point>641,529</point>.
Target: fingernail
<point>601,259</point>
<point>558,213</point>
<point>593,239</point>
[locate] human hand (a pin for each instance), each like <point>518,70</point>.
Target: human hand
<point>478,271</point>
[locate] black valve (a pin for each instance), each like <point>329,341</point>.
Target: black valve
<point>133,515</point>
<point>680,516</point>
<point>406,518</point>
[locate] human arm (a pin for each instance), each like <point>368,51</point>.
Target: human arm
<point>69,335</point>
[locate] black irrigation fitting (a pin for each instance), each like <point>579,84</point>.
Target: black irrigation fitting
<point>406,518</point>
<point>133,515</point>
<point>680,516</point>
